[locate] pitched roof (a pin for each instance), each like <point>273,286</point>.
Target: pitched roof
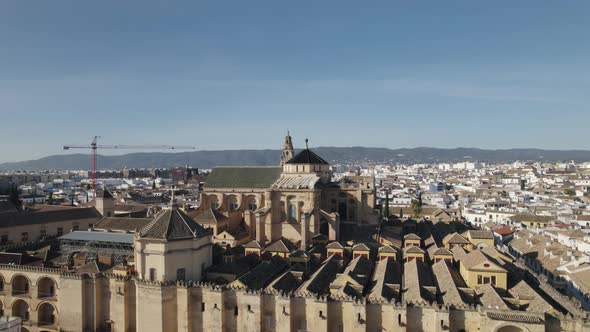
<point>386,281</point>
<point>531,218</point>
<point>285,283</point>
<point>479,234</point>
<point>455,238</point>
<point>477,260</point>
<point>448,280</point>
<point>320,280</point>
<point>89,236</point>
<point>173,224</point>
<point>243,177</point>
<point>412,236</point>
<point>122,224</point>
<point>413,250</point>
<point>262,274</point>
<point>57,214</point>
<point>104,194</point>
<point>524,292</point>
<point>387,249</point>
<point>360,246</point>
<point>417,277</point>
<point>443,251</point>
<point>307,157</point>
<point>280,245</point>
<point>504,230</point>
<point>489,297</point>
<point>334,245</point>
<point>252,244</point>
<point>209,216</point>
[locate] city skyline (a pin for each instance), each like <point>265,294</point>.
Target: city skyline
<point>393,75</point>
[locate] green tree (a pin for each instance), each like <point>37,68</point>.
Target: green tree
<point>386,207</point>
<point>50,199</point>
<point>522,183</point>
<point>154,185</point>
<point>569,192</point>
<point>14,197</point>
<point>416,207</point>
<point>401,213</point>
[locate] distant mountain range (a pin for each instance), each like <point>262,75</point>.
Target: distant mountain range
<point>208,159</point>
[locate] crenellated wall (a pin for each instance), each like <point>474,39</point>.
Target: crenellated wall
<point>100,302</point>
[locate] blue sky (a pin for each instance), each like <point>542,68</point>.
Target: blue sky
<point>238,74</point>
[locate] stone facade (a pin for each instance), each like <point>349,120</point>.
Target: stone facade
<point>107,302</point>
<point>296,200</point>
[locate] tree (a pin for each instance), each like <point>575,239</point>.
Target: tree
<point>386,210</point>
<point>50,199</point>
<point>13,197</point>
<point>416,207</point>
<point>401,213</point>
<point>569,192</point>
<point>522,183</point>
<point>154,185</point>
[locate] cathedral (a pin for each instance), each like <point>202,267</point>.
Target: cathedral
<point>296,200</point>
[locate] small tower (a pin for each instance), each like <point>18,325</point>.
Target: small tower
<point>287,150</point>
<point>105,203</point>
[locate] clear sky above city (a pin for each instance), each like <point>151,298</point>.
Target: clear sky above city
<point>238,74</point>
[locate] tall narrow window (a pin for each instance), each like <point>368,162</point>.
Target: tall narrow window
<point>181,274</point>
<point>494,280</point>
<point>292,209</point>
<point>152,274</point>
<point>479,280</point>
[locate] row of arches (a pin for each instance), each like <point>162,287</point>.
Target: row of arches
<point>232,203</point>
<point>46,312</point>
<point>21,286</point>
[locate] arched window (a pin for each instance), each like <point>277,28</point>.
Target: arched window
<point>45,288</point>
<point>20,285</point>
<point>232,203</point>
<point>292,209</point>
<point>252,204</point>
<point>46,314</point>
<point>20,309</point>
<point>214,202</point>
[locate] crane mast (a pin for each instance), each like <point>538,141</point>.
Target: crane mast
<point>94,146</point>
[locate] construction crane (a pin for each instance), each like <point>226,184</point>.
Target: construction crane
<point>94,146</point>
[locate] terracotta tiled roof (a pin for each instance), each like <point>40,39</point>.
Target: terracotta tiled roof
<point>455,238</point>
<point>57,214</point>
<point>489,297</point>
<point>173,224</point>
<point>477,260</point>
<point>122,224</point>
<point>209,216</point>
<point>386,281</point>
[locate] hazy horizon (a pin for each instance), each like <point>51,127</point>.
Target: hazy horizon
<point>128,152</point>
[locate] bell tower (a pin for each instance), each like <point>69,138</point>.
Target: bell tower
<point>287,150</point>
